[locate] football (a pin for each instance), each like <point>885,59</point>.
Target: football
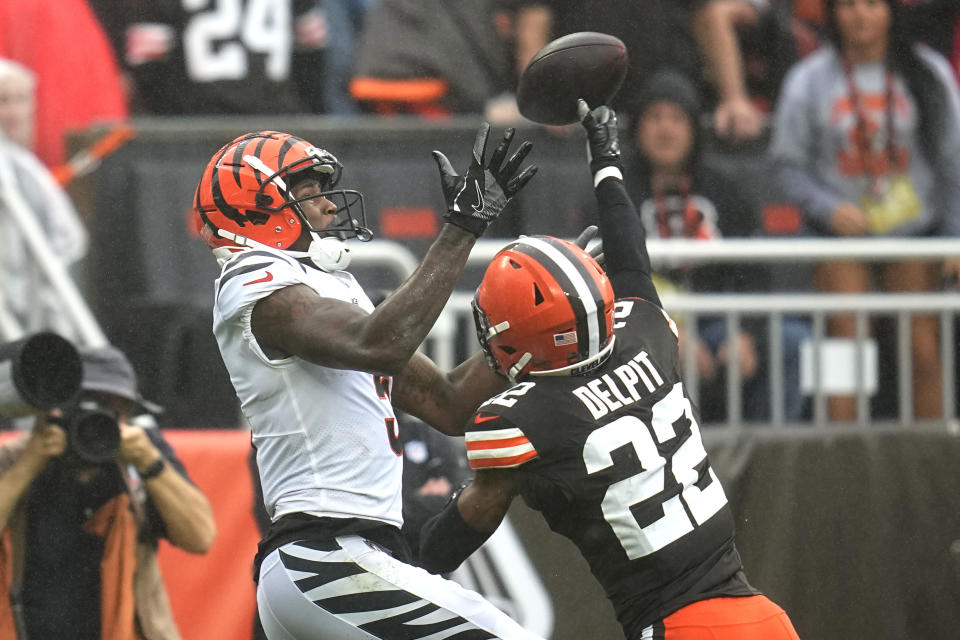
<point>586,65</point>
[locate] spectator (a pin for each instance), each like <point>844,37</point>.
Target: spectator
<point>433,58</point>
<point>866,142</point>
<point>25,294</point>
<point>657,33</point>
<point>748,46</point>
<point>81,536</point>
<point>341,23</point>
<point>678,194</point>
<point>72,92</point>
<point>736,50</point>
<point>18,103</point>
<point>203,58</point>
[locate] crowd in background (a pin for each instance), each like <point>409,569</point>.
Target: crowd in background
<point>849,138</point>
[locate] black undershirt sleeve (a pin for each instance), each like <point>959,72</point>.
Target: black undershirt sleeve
<point>627,262</point>
<point>446,540</point>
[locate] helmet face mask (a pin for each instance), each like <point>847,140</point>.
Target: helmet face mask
<point>544,307</point>
<point>344,224</point>
<point>244,197</point>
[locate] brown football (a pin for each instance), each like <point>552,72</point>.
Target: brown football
<point>586,65</point>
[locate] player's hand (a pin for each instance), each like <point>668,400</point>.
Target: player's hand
<point>475,199</point>
<point>596,249</point>
<point>603,142</point>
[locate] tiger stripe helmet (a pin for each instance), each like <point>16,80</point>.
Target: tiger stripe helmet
<point>544,307</point>
<point>244,192</point>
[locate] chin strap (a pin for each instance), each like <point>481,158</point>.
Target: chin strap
<point>326,253</point>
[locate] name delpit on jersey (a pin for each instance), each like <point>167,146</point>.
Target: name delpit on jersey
<point>605,394</point>
<point>629,383</point>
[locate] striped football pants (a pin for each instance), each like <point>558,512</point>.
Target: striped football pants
<point>347,588</point>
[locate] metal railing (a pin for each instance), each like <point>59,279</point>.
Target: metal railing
<point>453,332</point>
<point>816,307</point>
<point>453,335</point>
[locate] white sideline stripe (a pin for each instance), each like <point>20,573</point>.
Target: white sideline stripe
<point>579,284</point>
<point>501,452</point>
<point>496,434</point>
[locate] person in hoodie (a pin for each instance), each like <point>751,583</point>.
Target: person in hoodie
<point>681,195</point>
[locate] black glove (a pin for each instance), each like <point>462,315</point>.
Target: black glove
<point>477,198</point>
<point>584,239</point>
<point>603,148</point>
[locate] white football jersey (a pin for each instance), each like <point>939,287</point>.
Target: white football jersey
<point>326,439</point>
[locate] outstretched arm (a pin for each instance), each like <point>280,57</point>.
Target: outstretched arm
<point>296,321</point>
<point>627,262</point>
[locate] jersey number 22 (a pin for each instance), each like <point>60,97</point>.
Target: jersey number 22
<point>695,503</point>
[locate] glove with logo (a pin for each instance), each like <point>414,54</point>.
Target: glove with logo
<point>475,199</point>
<point>603,144</point>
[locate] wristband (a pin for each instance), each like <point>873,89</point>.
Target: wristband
<point>154,469</point>
<point>610,171</point>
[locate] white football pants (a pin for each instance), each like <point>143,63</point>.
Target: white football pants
<point>350,589</point>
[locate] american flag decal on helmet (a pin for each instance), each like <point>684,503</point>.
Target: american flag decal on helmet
<point>500,448</point>
<point>564,339</point>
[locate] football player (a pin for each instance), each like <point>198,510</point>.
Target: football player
<point>318,371</point>
<point>598,432</point>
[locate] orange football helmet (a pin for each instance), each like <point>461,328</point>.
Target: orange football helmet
<point>544,307</point>
<point>244,193</point>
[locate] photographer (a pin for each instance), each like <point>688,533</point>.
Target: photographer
<point>79,537</point>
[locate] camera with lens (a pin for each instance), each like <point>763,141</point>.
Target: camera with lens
<point>93,431</point>
<point>38,373</point>
<point>44,371</point>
